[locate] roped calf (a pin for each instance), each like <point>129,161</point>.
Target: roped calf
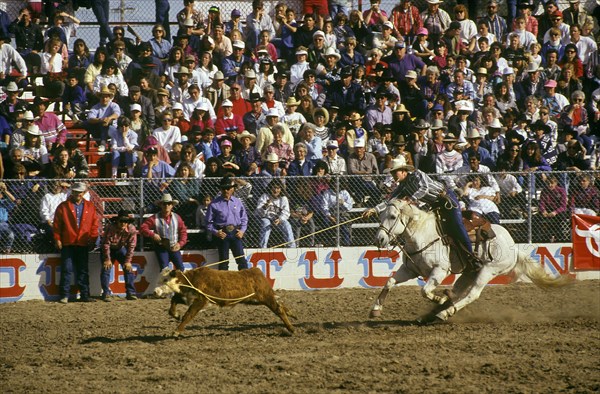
<point>224,288</point>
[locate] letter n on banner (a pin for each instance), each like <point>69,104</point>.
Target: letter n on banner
<point>586,242</point>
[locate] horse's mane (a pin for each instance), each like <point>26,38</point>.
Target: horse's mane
<point>419,216</point>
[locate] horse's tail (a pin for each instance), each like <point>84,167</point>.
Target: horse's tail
<point>534,271</point>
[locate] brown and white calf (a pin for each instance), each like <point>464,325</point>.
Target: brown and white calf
<point>201,285</point>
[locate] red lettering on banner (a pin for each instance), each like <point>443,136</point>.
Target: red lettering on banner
<point>12,267</point>
<point>333,258</point>
<point>50,286</point>
<point>138,264</point>
<point>197,259</point>
<point>554,265</point>
<point>268,258</point>
<point>378,256</point>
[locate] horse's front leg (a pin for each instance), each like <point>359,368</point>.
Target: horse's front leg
<point>436,277</point>
<point>402,275</point>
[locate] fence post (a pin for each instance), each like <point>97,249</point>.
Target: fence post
<point>337,208</point>
<point>141,212</point>
<point>529,206</point>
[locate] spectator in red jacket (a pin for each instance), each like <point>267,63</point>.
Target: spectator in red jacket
<point>75,231</point>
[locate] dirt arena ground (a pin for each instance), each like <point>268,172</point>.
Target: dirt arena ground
<point>516,338</point>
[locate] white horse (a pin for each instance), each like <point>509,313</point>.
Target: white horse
<point>427,256</point>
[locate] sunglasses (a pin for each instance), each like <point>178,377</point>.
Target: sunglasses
<point>119,49</point>
<point>514,150</point>
<point>167,120</point>
<point>543,113</point>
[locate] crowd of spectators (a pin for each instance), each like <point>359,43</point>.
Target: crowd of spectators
<point>326,90</point>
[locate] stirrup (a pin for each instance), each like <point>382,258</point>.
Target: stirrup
<point>474,263</point>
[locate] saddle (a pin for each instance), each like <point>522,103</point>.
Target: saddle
<point>479,230</point>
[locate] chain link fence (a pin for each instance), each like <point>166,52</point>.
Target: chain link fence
<point>538,210</point>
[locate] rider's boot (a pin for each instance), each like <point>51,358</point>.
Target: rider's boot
<point>474,263</point>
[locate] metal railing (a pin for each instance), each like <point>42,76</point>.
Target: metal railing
<point>522,214</point>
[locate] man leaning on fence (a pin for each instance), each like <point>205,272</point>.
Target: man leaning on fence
<point>75,232</point>
<point>227,220</point>
<point>168,231</point>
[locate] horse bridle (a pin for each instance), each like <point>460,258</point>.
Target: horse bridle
<point>388,232</point>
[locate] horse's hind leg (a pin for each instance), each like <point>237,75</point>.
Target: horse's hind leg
<point>402,275</point>
<point>436,277</point>
<point>480,280</point>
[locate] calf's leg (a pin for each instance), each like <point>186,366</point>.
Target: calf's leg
<point>196,307</point>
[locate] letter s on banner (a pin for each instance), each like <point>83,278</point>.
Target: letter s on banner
<point>586,242</point>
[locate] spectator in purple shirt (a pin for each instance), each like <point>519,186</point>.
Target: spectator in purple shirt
<point>227,220</point>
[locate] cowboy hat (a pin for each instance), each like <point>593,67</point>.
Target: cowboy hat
<point>355,116</point>
<point>292,102</point>
<point>28,115</point>
<point>166,198</point>
<point>246,134</point>
<point>449,138</point>
<point>398,163</point>
<point>421,125</point>
<point>401,109</point>
<point>183,71</point>
<point>105,91</point>
<point>78,187</point>
<point>464,105</point>
<point>125,215</point>
<point>400,140</point>
<point>438,124</point>
<point>11,87</point>
<point>359,143</point>
<point>227,182</point>
<point>332,52</point>
<point>533,67</point>
<point>496,125</point>
<point>34,130</point>
<point>218,76</point>
<point>272,158</point>
<point>322,111</point>
<point>473,134</point>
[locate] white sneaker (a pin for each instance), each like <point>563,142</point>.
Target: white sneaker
<point>64,300</point>
<point>101,148</point>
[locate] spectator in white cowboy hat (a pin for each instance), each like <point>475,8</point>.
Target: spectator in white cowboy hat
<point>168,232</point>
<point>218,91</point>
<point>264,136</point>
<point>249,157</point>
<point>435,20</point>
<point>18,137</point>
<point>450,159</point>
<point>474,139</point>
<point>12,104</point>
<point>250,85</point>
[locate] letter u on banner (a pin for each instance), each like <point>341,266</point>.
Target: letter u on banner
<point>586,242</point>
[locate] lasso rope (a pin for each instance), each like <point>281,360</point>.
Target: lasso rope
<point>212,298</point>
<point>292,241</point>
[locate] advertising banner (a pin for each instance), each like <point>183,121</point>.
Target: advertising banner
<point>586,242</point>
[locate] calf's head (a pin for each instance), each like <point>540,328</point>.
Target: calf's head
<point>168,283</point>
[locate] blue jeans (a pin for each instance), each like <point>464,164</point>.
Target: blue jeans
<point>128,158</point>
<point>452,217</point>
<point>74,260</point>
<point>164,256</point>
<point>236,245</point>
<point>7,237</point>
<point>162,16</point>
<point>266,226</point>
<point>118,255</point>
<point>101,9</point>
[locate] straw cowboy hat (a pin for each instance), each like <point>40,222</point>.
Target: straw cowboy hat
<point>450,138</point>
<point>292,102</point>
<point>401,109</point>
<point>183,71</point>
<point>496,125</point>
<point>322,111</point>
<point>399,164</point>
<point>355,116</point>
<point>331,52</point>
<point>105,91</point>
<point>246,134</point>
<point>166,198</point>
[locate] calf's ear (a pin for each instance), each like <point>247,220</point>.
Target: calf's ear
<point>173,273</point>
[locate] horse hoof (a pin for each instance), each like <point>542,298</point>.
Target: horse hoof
<point>375,313</point>
<point>429,320</point>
